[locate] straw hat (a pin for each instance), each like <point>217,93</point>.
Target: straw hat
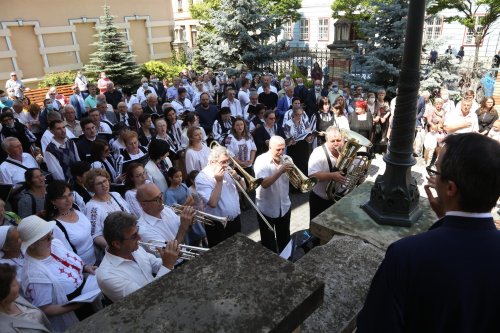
<point>33,228</point>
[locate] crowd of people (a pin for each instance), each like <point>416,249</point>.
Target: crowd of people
<point>91,175</point>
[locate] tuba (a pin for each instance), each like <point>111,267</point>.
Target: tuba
<point>252,182</point>
<point>352,163</point>
<point>297,178</point>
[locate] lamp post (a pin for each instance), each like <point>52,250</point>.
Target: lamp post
<point>394,197</point>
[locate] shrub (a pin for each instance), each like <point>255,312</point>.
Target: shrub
<point>57,79</point>
<point>160,69</point>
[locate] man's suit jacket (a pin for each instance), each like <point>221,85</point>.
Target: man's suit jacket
<point>150,110</point>
<point>311,102</point>
<point>79,108</point>
<point>282,108</point>
<point>443,280</point>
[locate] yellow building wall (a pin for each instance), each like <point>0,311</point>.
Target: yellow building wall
<point>44,36</point>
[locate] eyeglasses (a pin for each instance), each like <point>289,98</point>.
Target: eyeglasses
<point>158,199</point>
<point>432,172</point>
<point>135,236</point>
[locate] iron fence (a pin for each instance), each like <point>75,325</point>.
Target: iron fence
<point>303,58</point>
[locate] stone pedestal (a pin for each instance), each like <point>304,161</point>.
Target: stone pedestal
<point>346,264</point>
<point>347,218</point>
<point>238,286</point>
<point>339,62</point>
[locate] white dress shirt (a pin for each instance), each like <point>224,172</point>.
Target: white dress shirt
<point>12,174</point>
<point>458,117</point>
<point>164,228</point>
<point>47,137</point>
<point>244,98</point>
<point>272,201</point>
<point>118,277</point>
<point>319,163</point>
<point>235,107</point>
<point>229,202</point>
<point>54,165</point>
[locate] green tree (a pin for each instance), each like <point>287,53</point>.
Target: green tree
<point>240,33</point>
<point>283,10</point>
<point>200,10</point>
<point>378,61</point>
<point>468,11</point>
<point>112,55</point>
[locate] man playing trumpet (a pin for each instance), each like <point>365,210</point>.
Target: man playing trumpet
<point>321,165</point>
<point>216,184</point>
<point>159,222</point>
<point>272,196</point>
<point>127,267</point>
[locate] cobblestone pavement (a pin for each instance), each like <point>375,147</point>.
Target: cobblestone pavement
<point>300,204</point>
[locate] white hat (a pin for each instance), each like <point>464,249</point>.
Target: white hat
<point>32,229</point>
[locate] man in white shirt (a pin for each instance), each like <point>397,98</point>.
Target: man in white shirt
<point>159,222</point>
<point>244,93</point>
<point>272,195</point>
<point>266,81</point>
<point>141,96</point>
<point>47,135</point>
<point>19,113</point>
<point>182,104</point>
<point>127,267</point>
<point>469,96</point>
<point>232,103</point>
<point>219,192</point>
<point>325,172</point>
<point>101,126</point>
<point>13,168</point>
<point>463,120</point>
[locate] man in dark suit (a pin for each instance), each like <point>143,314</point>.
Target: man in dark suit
<point>313,96</point>
<point>152,106</point>
<point>446,279</point>
<point>78,102</point>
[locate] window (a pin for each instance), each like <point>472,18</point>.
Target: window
<point>288,31</point>
<point>469,34</point>
<point>304,29</point>
<point>433,27</point>
<point>324,28</point>
<point>194,35</point>
<point>179,6</point>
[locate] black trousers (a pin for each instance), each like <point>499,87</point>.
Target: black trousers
<point>282,226</point>
<point>217,233</point>
<point>317,205</point>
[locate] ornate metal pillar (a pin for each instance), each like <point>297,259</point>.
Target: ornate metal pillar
<point>394,197</point>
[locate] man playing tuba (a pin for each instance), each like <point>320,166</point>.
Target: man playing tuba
<point>322,166</point>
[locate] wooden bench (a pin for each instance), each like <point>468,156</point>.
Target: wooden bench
<point>38,95</point>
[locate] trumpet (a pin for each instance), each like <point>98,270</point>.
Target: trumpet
<point>253,182</point>
<point>187,252</point>
<point>297,178</point>
<point>202,217</point>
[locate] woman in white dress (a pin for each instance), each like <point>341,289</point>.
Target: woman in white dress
<point>197,152</point>
<point>158,164</point>
<point>52,275</point>
<point>73,228</point>
<point>102,203</point>
<point>241,146</point>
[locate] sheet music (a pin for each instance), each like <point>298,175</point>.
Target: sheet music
<point>287,251</point>
<point>90,291</point>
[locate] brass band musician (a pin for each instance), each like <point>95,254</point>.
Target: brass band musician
<point>126,266</point>
<point>321,165</point>
<point>216,186</point>
<point>272,195</point>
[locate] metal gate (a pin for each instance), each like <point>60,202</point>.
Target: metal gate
<point>303,58</point>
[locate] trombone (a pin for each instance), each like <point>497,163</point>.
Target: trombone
<point>187,252</point>
<point>202,217</point>
<point>253,182</point>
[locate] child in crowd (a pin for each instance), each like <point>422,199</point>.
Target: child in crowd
<point>430,143</point>
<point>494,133</point>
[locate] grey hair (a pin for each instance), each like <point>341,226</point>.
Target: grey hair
<point>216,153</point>
<point>276,140</point>
<point>114,225</point>
<point>68,106</point>
<point>7,141</point>
<point>254,93</point>
<point>332,131</point>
